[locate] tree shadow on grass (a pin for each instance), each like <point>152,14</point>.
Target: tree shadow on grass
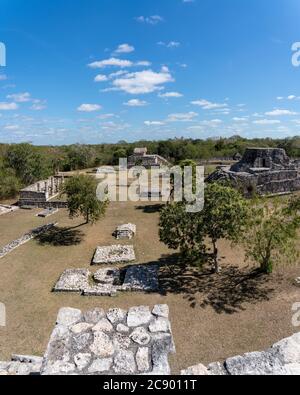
<point>150,209</point>
<point>61,237</point>
<point>226,293</point>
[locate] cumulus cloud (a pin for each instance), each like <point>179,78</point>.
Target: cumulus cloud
<point>136,103</point>
<point>101,78</point>
<point>169,95</point>
<point>112,62</point>
<point>38,105</point>
<point>8,106</point>
<point>143,82</point>
<point>267,122</point>
<point>20,97</point>
<point>278,113</point>
<point>150,20</point>
<point>182,117</point>
<point>124,48</point>
<point>207,105</point>
<point>115,62</point>
<point>89,107</point>
<point>154,123</point>
<point>170,44</point>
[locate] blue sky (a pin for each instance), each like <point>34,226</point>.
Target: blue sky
<point>99,71</point>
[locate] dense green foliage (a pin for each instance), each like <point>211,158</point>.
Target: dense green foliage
<point>224,216</point>
<point>23,164</point>
<point>272,234</point>
<point>82,199</point>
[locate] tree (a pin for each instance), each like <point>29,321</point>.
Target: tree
<point>28,164</point>
<point>82,198</point>
<point>224,216</point>
<point>272,234</point>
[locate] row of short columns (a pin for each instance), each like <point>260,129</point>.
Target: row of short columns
<point>50,187</point>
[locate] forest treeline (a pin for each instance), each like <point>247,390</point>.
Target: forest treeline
<point>23,164</point>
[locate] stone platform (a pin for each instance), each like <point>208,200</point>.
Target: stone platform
<point>109,281</point>
<point>116,342</point>
<point>114,254</point>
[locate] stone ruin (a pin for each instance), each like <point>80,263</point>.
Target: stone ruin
<point>47,212</point>
<point>21,365</point>
<point>127,231</point>
<point>264,171</point>
<point>116,342</point>
<point>137,341</point>
<point>40,193</point>
<point>282,359</point>
<point>114,254</point>
<point>109,281</point>
<point>25,238</point>
<point>5,209</point>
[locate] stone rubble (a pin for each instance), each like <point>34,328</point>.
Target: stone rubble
<point>108,282</point>
<point>6,209</point>
<point>283,359</point>
<point>127,231</point>
<point>24,239</point>
<point>47,212</point>
<point>21,365</point>
<point>120,343</point>
<point>114,254</point>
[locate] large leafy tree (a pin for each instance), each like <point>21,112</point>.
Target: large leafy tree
<point>27,162</point>
<point>82,199</point>
<point>272,234</point>
<point>224,216</point>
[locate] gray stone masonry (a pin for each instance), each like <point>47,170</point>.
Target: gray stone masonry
<point>110,343</point>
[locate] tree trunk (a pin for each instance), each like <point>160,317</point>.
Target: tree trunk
<point>216,267</point>
<point>87,218</point>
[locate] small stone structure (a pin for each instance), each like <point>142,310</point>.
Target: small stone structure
<point>141,158</point>
<point>21,365</point>
<point>24,239</point>
<point>116,342</point>
<point>40,193</point>
<point>109,281</point>
<point>114,254</point>
<point>283,359</point>
<point>5,209</point>
<point>127,231</point>
<point>265,171</point>
<point>47,212</point>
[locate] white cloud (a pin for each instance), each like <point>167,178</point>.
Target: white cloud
<point>125,48</point>
<point>136,103</point>
<point>151,20</point>
<point>112,62</point>
<point>168,95</point>
<point>182,117</point>
<point>207,105</point>
<point>143,82</point>
<point>11,127</point>
<point>241,119</point>
<point>89,107</point>
<point>38,105</point>
<point>20,97</point>
<point>267,122</point>
<point>115,62</point>
<point>101,78</point>
<point>278,113</point>
<point>8,106</point>
<point>154,123</point>
<point>170,44</point>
